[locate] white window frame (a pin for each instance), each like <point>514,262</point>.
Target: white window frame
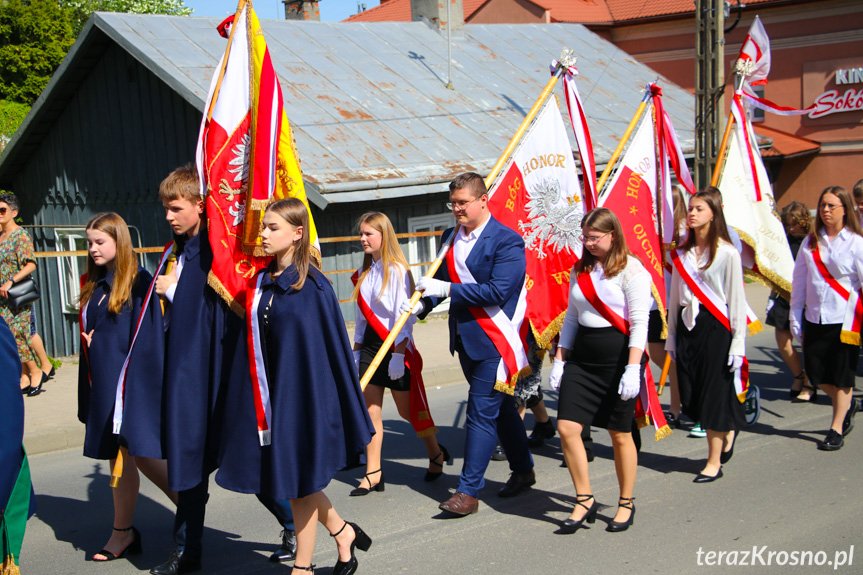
<point>427,224</point>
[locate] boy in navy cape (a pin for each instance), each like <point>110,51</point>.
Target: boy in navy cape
<point>203,342</point>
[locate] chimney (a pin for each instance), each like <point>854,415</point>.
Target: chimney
<point>434,13</point>
<point>305,10</point>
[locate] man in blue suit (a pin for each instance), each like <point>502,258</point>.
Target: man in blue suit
<point>492,263</point>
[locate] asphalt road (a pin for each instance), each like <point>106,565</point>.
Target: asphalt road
<point>779,494</point>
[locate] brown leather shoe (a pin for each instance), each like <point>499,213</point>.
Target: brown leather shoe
<point>460,504</point>
<point>517,483</point>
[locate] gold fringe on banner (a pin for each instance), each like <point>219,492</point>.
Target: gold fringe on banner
<point>544,339</point>
<point>9,567</point>
<point>427,432</point>
<point>509,387</point>
<point>662,433</point>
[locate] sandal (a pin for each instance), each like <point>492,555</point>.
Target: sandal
<point>443,456</point>
<point>379,486</point>
<point>133,548</point>
<point>792,393</point>
<point>813,394</point>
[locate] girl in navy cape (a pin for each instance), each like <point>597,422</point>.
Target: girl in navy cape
<point>116,304</point>
<point>298,414</point>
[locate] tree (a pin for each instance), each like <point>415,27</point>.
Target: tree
<point>34,37</point>
<point>81,10</point>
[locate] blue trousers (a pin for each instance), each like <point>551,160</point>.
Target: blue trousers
<point>490,415</point>
<point>191,507</point>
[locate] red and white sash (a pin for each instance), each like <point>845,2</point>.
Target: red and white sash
<point>717,307</point>
<point>260,385</point>
<point>420,414</point>
<point>854,299</point>
<point>648,408</point>
<point>120,397</point>
<point>505,333</point>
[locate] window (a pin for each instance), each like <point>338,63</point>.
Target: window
<point>425,249</point>
<point>758,113</point>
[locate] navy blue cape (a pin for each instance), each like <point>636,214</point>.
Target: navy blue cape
<point>319,417</point>
<point>100,366</point>
<point>202,341</point>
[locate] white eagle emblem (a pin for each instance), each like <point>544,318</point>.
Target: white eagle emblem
<point>553,221</point>
<point>240,160</point>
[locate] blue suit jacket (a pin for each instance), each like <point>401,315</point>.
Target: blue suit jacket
<point>497,263</point>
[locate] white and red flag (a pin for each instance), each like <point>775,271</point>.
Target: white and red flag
<point>539,196</point>
<point>246,156</point>
<point>583,142</point>
<point>632,196</point>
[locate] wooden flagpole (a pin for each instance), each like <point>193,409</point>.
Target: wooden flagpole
<point>619,150</point>
<point>566,60</point>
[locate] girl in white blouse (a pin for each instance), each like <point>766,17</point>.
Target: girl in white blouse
<point>382,285</point>
<point>828,271</point>
<point>598,365</point>
<point>707,328</point>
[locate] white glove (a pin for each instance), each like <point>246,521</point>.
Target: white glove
<point>734,362</point>
<point>416,310</point>
<point>357,354</point>
<point>797,331</point>
<point>630,383</point>
<point>432,287</point>
<point>556,374</point>
<point>396,368</point>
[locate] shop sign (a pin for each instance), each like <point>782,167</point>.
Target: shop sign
<point>832,101</point>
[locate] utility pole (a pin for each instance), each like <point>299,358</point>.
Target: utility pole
<point>709,86</point>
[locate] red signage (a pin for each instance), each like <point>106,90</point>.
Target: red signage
<point>832,102</point>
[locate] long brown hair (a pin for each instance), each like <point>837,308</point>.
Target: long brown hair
<point>391,252</point>
<point>125,264</point>
<point>679,213</point>
<point>717,230</point>
<point>295,213</point>
<point>603,220</point>
<point>852,223</point>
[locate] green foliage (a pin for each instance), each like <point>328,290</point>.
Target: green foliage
<point>81,10</point>
<point>34,37</point>
<point>11,116</point>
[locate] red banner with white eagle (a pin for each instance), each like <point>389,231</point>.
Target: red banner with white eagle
<point>246,156</point>
<point>539,196</point>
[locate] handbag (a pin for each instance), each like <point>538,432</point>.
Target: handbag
<point>23,293</point>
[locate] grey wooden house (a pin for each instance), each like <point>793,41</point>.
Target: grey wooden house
<point>375,125</point>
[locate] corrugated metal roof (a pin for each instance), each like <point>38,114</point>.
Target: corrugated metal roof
<point>368,101</point>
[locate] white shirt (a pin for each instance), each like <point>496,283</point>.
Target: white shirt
<point>725,278</point>
<point>843,258</point>
<point>464,243</point>
<point>178,269</point>
<point>631,287</point>
<point>385,305</point>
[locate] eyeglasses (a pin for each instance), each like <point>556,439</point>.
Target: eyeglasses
<point>592,241</point>
<point>3,211</point>
<point>461,206</point>
<point>829,207</point>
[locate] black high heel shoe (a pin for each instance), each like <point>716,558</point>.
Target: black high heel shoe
<point>34,391</point>
<point>361,541</point>
<point>792,393</point>
<point>572,525</point>
<point>379,486</point>
<point>617,527</point>
<point>133,548</point>
<point>813,395</point>
<point>444,454</point>
<point>50,374</point>
<point>26,390</point>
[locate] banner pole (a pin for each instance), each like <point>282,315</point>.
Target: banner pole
<point>566,60</point>
<point>619,150</point>
<point>723,148</point>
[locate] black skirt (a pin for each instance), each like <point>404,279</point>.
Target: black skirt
<point>825,358</point>
<point>779,314</point>
<point>371,344</point>
<point>588,389</point>
<point>706,384</point>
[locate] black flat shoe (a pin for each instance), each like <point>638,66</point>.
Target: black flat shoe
<point>287,551</point>
<point>701,478</point>
<point>379,486</point>
<point>672,420</point>
<point>444,457</point>
<point>133,548</point>
<point>848,423</point>
<point>617,527</point>
<point>361,541</point>
<point>541,432</point>
<point>833,441</point>
<point>726,456</point>
<point>572,525</point>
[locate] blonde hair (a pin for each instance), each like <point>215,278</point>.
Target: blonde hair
<point>603,220</point>
<point>181,184</point>
<point>391,252</point>
<point>125,264</point>
<point>296,213</point>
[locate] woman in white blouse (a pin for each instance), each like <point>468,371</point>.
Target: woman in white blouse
<point>383,284</point>
<point>709,350</point>
<point>828,270</point>
<point>599,363</point>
